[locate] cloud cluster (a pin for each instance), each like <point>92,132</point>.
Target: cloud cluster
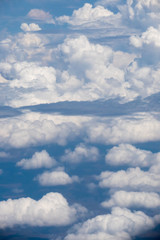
<point>138,9</point>
<point>81,153</point>
<point>32,27</point>
<point>126,154</point>
<point>140,127</point>
<point>32,128</point>
<point>38,160</point>
<point>133,200</point>
<point>120,224</point>
<point>82,71</point>
<point>49,67</point>
<point>131,179</point>
<point>55,177</point>
<point>51,210</point>
<point>151,36</point>
<point>88,16</point>
<point>39,14</point>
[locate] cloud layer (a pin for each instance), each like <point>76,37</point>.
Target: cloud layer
<point>32,128</point>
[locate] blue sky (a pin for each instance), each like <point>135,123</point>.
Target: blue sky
<point>79,119</point>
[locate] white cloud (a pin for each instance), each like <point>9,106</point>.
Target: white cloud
<point>41,15</point>
<point>140,127</point>
<point>145,76</point>
<point>81,153</point>
<point>131,179</point>
<point>133,200</point>
<point>51,210</point>
<point>120,224</point>
<point>126,154</point>
<point>31,75</point>
<point>151,36</point>
<point>87,15</point>
<point>152,5</point>
<point>38,160</point>
<point>29,40</point>
<point>32,27</point>
<point>23,47</point>
<point>83,71</point>
<point>97,67</point>
<point>1,171</point>
<point>55,177</point>
<point>33,128</point>
<point>142,12</point>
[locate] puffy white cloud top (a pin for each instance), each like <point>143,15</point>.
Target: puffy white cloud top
<point>51,210</point>
<point>110,51</point>
<point>32,27</point>
<point>55,177</point>
<point>126,154</point>
<point>131,179</point>
<point>82,71</point>
<point>33,128</point>
<point>81,153</point>
<point>150,36</point>
<point>38,160</point>
<point>120,224</point>
<point>87,15</point>
<point>133,200</point>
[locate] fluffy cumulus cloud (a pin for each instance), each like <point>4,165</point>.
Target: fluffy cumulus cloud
<point>131,179</point>
<point>81,71</point>
<point>32,128</point>
<point>51,210</point>
<point>97,67</point>
<point>25,47</point>
<point>126,154</point>
<point>141,13</point>
<point>128,129</point>
<point>150,36</point>
<point>31,75</point>
<point>81,153</point>
<point>92,70</point>
<point>32,27</point>
<point>120,224</point>
<point>55,177</point>
<point>87,15</point>
<point>38,160</point>
<point>144,77</point>
<point>39,14</point>
<point>133,200</point>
